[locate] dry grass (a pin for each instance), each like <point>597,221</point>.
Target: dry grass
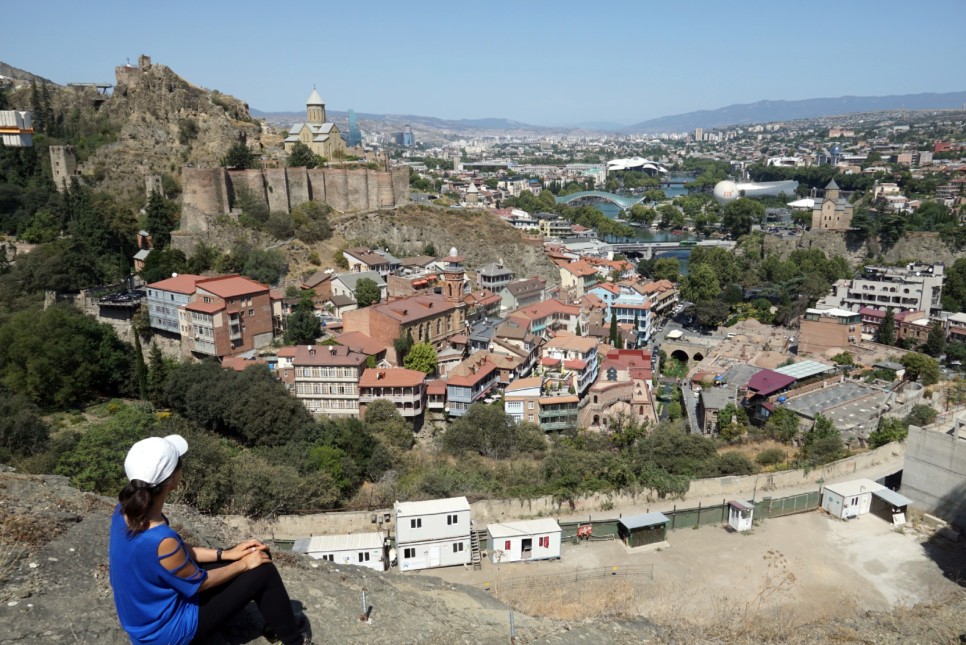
<point>576,600</point>
<point>751,450</point>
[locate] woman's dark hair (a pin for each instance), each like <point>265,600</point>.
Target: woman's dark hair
<point>136,500</point>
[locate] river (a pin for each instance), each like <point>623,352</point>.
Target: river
<point>654,235</point>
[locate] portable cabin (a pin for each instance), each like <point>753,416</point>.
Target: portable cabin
<point>433,533</point>
<point>359,549</point>
<point>642,530</point>
<point>526,540</point>
<point>849,499</point>
<point>740,515</point>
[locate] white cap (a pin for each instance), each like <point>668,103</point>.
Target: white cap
<point>154,459</point>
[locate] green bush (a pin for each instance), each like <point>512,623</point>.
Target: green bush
<point>770,457</point>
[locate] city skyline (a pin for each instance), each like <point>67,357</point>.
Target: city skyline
<point>546,64</point>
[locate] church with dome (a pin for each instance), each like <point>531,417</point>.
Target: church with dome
<point>322,137</point>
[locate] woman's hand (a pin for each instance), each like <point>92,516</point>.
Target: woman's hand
<point>244,549</point>
<point>256,559</point>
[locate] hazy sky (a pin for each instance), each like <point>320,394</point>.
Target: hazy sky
<point>545,63</point>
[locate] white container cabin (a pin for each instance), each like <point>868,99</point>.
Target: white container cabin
<point>359,549</point>
<point>849,499</point>
<point>526,540</point>
<point>740,515</point>
<point>433,533</point>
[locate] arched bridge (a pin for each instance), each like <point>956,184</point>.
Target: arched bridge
<point>622,201</point>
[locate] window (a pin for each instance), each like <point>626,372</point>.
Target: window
<point>416,523</point>
<point>409,552</point>
<point>457,547</point>
<point>452,519</point>
<point>530,405</point>
<point>251,312</point>
<point>328,557</point>
<point>544,541</point>
<point>363,556</point>
<point>506,545</point>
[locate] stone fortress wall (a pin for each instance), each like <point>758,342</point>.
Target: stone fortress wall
<point>209,194</point>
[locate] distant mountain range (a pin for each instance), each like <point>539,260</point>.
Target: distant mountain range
<point>739,114</point>
<point>765,111</point>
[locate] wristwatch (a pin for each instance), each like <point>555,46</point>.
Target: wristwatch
<point>218,555</point>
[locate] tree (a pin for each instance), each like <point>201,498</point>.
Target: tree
<point>822,444</point>
<point>302,156</point>
<point>782,425</point>
<point>367,292</point>
<point>485,430</point>
<point>935,344</point>
<point>422,358</point>
<point>385,422</point>
<point>140,368</point>
<point>402,345</point>
<point>735,463</point>
<point>740,215</point>
<point>60,358</point>
<point>888,430</point>
<point>239,156</point>
<point>615,333</point>
<point>667,269</point>
<point>886,333</point>
<point>844,358</point>
<point>157,374</point>
<point>311,221</point>
<point>162,264</point>
<point>732,422</point>
<point>701,284</point>
<point>23,431</point>
<point>302,326</point>
<point>711,313</point>
<point>161,219</point>
<point>920,367</point>
<point>921,415</point>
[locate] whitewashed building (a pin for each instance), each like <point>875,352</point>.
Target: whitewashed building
<point>525,540</point>
<point>433,533</point>
<point>359,549</point>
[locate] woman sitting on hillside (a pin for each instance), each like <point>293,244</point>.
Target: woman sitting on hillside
<point>161,594</point>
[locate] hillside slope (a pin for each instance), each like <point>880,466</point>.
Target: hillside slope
<point>479,236</point>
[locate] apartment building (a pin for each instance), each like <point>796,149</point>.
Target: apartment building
<point>326,379</point>
<point>214,316</point>
<point>549,316</point>
<point>405,389</point>
<point>362,259</point>
<point>493,276</point>
<point>469,382</point>
<point>913,287</point>
<point>522,293</point>
<point>574,358</point>
<point>534,400</point>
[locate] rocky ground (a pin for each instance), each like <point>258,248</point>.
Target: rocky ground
<point>54,589</point>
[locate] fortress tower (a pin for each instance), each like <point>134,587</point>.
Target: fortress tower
<point>63,165</point>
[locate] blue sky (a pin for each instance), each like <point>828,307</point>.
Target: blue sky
<point>545,63</point>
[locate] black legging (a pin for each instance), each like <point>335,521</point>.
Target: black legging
<point>218,605</point>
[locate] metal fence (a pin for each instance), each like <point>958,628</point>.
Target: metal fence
<point>580,575</point>
<point>801,503</point>
<point>686,518</point>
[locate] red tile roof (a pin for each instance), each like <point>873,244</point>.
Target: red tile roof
<point>327,355</point>
<point>415,308</point>
<point>575,364</point>
<point>287,352</point>
<point>184,283</point>
<point>359,342</point>
<point>205,307</point>
<point>231,286</point>
<point>580,269</point>
<point>391,377</point>
<point>436,387</point>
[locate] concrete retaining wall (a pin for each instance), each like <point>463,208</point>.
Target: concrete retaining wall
<point>289,527</point>
<point>934,476</point>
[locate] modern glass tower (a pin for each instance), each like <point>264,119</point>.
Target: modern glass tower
<point>353,137</point>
